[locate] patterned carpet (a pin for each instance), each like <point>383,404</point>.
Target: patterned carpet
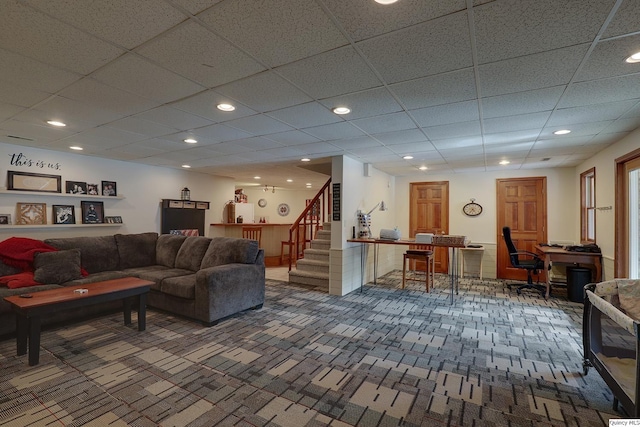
<point>381,357</point>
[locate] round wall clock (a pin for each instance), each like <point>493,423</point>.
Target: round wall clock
<point>283,209</point>
<point>472,209</point>
<point>262,203</point>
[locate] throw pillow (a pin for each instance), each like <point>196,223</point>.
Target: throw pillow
<point>57,267</point>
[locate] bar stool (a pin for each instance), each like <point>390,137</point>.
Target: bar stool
<point>253,233</point>
<point>420,255</point>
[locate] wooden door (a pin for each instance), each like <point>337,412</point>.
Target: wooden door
<point>521,206</point>
<point>429,213</point>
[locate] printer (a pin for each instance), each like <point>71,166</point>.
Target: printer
<point>424,238</point>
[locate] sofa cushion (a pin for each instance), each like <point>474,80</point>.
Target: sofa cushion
<point>156,273</point>
<point>57,267</point>
<point>167,248</point>
<point>98,253</point>
<point>136,250</point>
<point>191,252</point>
<point>96,277</point>
<point>229,250</point>
<point>182,286</point>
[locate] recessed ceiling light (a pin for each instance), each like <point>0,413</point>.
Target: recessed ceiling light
<point>191,141</point>
<point>562,132</point>
<point>308,184</point>
<point>256,177</point>
<point>289,180</point>
<point>75,147</point>
<point>186,166</point>
<point>408,157</point>
<point>633,59</point>
<point>305,160</point>
<point>341,110</point>
<point>504,162</point>
<point>226,107</point>
<point>423,168</point>
<point>386,1</point>
<point>56,123</point>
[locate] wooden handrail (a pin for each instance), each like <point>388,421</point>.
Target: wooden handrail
<point>309,222</point>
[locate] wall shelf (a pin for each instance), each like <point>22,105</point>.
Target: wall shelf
<point>73,196</point>
<point>35,226</point>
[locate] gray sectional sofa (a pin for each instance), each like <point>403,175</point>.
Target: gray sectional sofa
<point>206,279</point>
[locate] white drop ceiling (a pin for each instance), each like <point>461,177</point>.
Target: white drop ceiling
<point>458,84</point>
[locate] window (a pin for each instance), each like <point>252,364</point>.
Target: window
<point>588,206</point>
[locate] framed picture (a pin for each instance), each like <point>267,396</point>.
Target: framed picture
<point>93,190</point>
<point>31,213</point>
<point>5,219</point>
<point>92,212</point>
<point>113,220</point>
<point>76,187</point>
<point>24,181</point>
<point>109,188</point>
<point>64,214</point>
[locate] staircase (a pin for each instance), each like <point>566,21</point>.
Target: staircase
<point>313,269</point>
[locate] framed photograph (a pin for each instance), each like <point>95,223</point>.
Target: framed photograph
<point>76,187</point>
<point>109,188</point>
<point>117,219</point>
<point>93,190</point>
<point>31,213</point>
<point>92,212</point>
<point>5,219</point>
<point>24,181</point>
<point>64,214</point>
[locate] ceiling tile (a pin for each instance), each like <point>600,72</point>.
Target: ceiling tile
<point>334,131</point>
<point>525,73</point>
<point>275,31</point>
<point>590,113</point>
<point>608,59</point>
<point>364,19</point>
<point>626,20</point>
<point>222,133</point>
<point>460,142</point>
<point>204,104</point>
<point>293,137</point>
<point>136,75</point>
<point>39,134</point>
<point>549,25</point>
<point>196,6</point>
<point>531,101</point>
<point>20,96</point>
<point>259,124</point>
<point>37,76</point>
<point>516,123</point>
<point>332,73</point>
<point>368,103</point>
<point>600,91</point>
<point>440,89</point>
<point>137,20</point>
<point>196,53</point>
<point>305,115</point>
<point>264,92</point>
<point>358,142</point>
<point>78,116</point>
<point>401,137</point>
<point>434,47</point>
<point>174,118</point>
<point>445,114</point>
<point>142,126</point>
<point>385,123</point>
<point>8,110</point>
<point>513,136</point>
<point>454,130</point>
<point>40,37</point>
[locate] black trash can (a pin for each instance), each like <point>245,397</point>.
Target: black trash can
<point>577,278</point>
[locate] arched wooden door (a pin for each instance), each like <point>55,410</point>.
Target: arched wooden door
<point>429,213</point>
<point>522,206</point>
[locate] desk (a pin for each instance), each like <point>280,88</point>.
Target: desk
<point>554,254</point>
<point>407,242</point>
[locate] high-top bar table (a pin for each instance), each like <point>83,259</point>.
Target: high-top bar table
<point>439,241</point>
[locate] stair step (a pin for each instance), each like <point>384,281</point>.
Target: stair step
<point>323,235</point>
<point>321,244</point>
<point>317,254</point>
<point>312,265</point>
<point>320,280</point>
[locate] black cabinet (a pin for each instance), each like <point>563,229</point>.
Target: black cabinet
<point>183,215</point>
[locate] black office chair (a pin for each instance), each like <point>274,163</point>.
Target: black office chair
<point>525,260</point>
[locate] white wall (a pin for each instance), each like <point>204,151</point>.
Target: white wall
<point>296,199</point>
<point>604,164</point>
<point>142,186</point>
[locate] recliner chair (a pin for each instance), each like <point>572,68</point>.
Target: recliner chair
<point>524,260</point>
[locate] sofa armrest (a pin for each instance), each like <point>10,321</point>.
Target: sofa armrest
<point>228,289</point>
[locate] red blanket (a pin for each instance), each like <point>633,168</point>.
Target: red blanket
<point>19,252</point>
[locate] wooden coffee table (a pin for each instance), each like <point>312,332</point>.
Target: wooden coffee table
<point>30,310</point>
